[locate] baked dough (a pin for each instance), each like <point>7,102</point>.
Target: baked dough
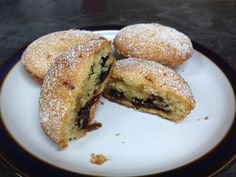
<point>71,89</point>
<point>39,54</point>
<point>154,42</point>
<point>150,87</point>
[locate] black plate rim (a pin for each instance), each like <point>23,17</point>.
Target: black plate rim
<point>213,163</point>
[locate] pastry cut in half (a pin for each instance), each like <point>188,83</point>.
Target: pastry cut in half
<point>40,53</point>
<point>150,87</point>
<point>71,89</point>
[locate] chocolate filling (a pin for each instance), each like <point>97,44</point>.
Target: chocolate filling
<point>154,102</point>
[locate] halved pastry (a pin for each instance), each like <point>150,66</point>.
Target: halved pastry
<point>71,89</point>
<point>150,87</point>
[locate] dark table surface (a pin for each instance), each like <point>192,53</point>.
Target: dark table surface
<point>211,23</point>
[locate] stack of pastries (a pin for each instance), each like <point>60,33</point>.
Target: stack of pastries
<point>76,67</point>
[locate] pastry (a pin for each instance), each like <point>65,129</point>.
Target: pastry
<point>71,89</point>
<point>154,42</point>
<point>150,87</point>
<point>39,54</point>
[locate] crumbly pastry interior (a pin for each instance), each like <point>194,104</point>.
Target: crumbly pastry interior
<point>71,89</point>
<point>145,98</point>
<point>85,103</point>
<point>142,95</point>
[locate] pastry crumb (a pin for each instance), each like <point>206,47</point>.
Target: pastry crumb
<point>117,134</point>
<point>98,159</point>
<point>206,117</point>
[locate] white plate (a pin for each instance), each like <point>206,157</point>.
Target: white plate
<point>146,144</point>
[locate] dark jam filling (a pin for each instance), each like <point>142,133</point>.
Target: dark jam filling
<point>106,70</point>
<point>82,116</point>
<point>104,60</point>
<point>116,94</point>
<point>82,120</point>
<point>155,102</point>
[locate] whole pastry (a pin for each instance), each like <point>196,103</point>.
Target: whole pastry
<point>150,87</point>
<point>71,90</point>
<point>154,42</point>
<point>39,54</point>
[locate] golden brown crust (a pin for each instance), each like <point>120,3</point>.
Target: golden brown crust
<point>153,77</point>
<point>40,53</point>
<point>62,87</point>
<point>154,42</point>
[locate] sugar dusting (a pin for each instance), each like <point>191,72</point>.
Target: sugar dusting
<point>40,53</point>
<point>140,38</point>
<point>55,100</point>
<point>166,78</point>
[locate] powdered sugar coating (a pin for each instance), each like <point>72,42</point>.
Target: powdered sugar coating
<point>40,53</point>
<point>139,70</point>
<point>155,42</point>
<point>56,98</point>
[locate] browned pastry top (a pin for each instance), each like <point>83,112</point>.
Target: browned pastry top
<point>154,42</point>
<point>40,53</point>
